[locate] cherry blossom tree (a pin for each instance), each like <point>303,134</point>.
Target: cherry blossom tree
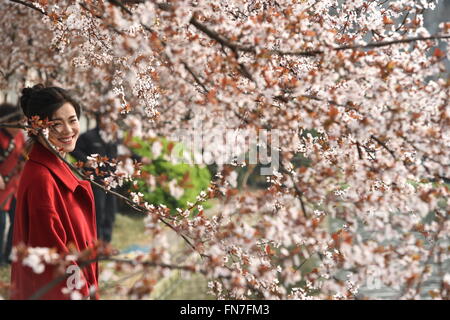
<point>354,93</point>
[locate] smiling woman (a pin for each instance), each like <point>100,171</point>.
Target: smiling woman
<point>65,129</point>
<point>55,104</point>
<point>55,209</point>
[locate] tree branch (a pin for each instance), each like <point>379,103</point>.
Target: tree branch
<point>43,290</point>
<point>196,79</point>
<point>381,143</point>
<point>226,43</point>
<point>121,5</point>
<point>296,188</point>
<point>310,53</point>
<point>29,5</point>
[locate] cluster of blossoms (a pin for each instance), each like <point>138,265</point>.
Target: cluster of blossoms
<point>358,89</point>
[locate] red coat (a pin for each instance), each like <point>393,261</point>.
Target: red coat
<point>10,166</point>
<point>54,210</point>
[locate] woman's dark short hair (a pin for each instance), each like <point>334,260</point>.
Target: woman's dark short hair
<point>10,113</point>
<point>45,101</point>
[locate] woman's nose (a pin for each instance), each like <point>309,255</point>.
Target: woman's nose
<point>67,128</point>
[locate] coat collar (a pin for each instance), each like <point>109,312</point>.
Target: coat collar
<point>45,157</point>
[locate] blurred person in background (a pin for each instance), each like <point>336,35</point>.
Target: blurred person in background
<point>11,163</point>
<point>92,142</point>
<point>95,141</point>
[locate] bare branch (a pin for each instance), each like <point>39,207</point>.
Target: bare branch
<point>381,143</point>
<point>196,79</point>
<point>121,5</point>
<point>310,53</point>
<point>29,5</point>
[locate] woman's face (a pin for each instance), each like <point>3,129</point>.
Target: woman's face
<point>64,132</point>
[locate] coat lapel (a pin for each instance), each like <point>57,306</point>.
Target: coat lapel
<point>45,157</point>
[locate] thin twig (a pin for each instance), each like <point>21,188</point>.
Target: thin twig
<point>297,190</point>
<point>196,79</point>
<point>381,143</point>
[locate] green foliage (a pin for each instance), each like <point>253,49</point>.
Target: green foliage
<point>190,178</point>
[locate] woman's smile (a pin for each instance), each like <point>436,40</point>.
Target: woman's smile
<point>67,140</point>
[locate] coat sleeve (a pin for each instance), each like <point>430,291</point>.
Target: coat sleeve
<point>45,229</point>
